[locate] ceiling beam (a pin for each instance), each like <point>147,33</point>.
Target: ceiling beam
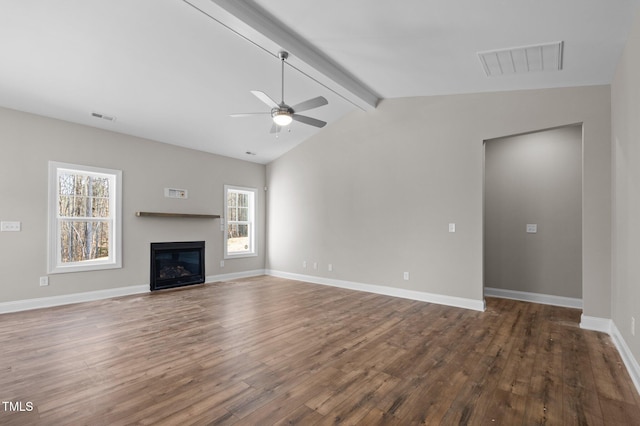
<point>264,30</point>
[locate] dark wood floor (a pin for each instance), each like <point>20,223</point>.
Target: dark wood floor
<point>267,351</point>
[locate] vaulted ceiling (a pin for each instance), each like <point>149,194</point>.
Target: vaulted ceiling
<point>174,70</point>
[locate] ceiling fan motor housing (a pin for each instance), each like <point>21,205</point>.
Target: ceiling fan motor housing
<point>281,110</point>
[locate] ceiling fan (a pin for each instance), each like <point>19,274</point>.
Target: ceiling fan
<point>283,114</point>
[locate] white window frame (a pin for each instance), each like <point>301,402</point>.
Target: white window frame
<point>252,251</point>
<point>55,265</point>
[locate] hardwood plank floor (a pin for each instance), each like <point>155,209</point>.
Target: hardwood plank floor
<point>265,350</point>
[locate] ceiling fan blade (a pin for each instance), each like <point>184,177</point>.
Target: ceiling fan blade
<point>308,120</point>
<point>274,128</point>
<point>265,98</point>
<point>248,114</point>
<point>310,104</point>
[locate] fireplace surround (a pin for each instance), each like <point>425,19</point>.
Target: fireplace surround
<point>176,264</point>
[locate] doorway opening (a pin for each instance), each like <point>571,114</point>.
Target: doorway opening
<point>533,216</point>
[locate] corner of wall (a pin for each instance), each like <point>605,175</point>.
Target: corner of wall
<point>609,327</point>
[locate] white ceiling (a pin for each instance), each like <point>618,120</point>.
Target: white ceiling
<point>173,70</point>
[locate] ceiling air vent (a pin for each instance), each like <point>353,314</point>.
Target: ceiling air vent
<point>103,116</point>
<point>521,60</point>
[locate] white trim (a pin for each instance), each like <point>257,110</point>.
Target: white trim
<point>67,299</point>
<point>235,275</point>
<point>595,324</point>
<point>250,222</point>
<point>627,356</point>
<point>606,325</point>
<point>458,302</point>
<point>525,296</point>
<point>47,302</point>
<point>54,264</point>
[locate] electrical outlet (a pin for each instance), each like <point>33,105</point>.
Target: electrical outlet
<point>304,264</point>
<point>222,263</point>
<point>330,267</point>
<point>633,326</point>
<point>406,276</point>
<point>452,227</point>
<point>315,265</point>
<point>44,281</point>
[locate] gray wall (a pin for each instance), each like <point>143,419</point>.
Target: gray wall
<point>625,95</point>
<point>373,193</point>
<point>28,142</point>
<point>534,179</point>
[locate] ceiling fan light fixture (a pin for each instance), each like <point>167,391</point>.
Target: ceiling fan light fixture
<point>282,118</point>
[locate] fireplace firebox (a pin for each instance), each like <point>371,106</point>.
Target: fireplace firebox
<point>176,264</point>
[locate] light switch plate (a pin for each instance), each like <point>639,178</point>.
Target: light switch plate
<point>10,226</point>
<point>176,193</point>
<point>532,228</point>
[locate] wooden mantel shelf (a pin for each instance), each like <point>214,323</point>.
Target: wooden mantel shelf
<point>183,215</point>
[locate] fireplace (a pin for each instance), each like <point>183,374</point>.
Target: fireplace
<point>176,264</point>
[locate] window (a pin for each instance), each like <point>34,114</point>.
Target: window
<point>240,232</point>
<point>84,218</point>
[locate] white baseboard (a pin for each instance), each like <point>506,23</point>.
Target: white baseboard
<point>525,296</point>
<point>627,357</point>
<point>47,302</point>
<point>606,325</point>
<point>458,302</point>
<point>235,275</point>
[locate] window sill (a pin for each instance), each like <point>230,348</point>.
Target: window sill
<point>239,256</point>
<point>84,268</point>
